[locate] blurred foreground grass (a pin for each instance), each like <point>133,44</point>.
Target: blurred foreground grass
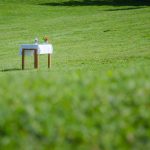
<point>108,110</point>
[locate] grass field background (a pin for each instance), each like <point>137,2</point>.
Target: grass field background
<point>96,95</point>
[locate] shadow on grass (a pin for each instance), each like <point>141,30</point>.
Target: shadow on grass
<point>100,3</point>
<point>10,69</point>
<point>129,8</point>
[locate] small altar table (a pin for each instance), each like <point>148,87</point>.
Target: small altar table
<point>36,49</point>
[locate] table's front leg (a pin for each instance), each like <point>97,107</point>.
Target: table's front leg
<point>49,60</point>
<point>35,58</point>
<point>23,58</point>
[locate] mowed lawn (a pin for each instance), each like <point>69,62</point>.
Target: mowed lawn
<point>96,96</point>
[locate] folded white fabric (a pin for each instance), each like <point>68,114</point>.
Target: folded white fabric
<point>42,48</point>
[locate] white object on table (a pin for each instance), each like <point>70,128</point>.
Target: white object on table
<point>41,48</point>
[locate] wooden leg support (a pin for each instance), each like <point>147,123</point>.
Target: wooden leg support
<point>49,60</point>
<point>35,59</point>
<point>23,57</point>
<point>36,63</point>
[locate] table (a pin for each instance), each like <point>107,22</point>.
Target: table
<point>36,49</point>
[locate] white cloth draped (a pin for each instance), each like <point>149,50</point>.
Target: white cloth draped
<point>42,48</point>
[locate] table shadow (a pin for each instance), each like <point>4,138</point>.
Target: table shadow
<point>10,69</point>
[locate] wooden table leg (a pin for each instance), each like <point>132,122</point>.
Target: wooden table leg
<point>23,51</point>
<point>35,59</point>
<point>49,60</point>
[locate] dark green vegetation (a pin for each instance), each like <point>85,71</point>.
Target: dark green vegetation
<point>97,94</point>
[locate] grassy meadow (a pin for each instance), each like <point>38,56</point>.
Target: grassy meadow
<point>96,96</point>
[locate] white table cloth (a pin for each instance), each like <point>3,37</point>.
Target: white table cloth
<point>42,48</point>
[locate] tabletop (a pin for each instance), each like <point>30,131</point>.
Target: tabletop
<point>41,48</point>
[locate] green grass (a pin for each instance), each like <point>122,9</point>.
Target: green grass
<point>95,96</point>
